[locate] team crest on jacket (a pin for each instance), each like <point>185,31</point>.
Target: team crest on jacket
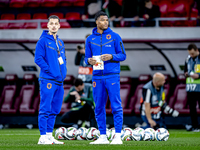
<point>94,84</point>
<point>108,36</point>
<point>60,43</point>
<point>49,85</point>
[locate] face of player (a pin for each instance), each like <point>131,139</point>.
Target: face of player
<point>53,25</point>
<point>102,22</point>
<point>193,53</point>
<point>80,87</point>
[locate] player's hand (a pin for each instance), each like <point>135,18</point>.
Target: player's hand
<point>74,93</point>
<point>175,113</point>
<point>152,123</point>
<point>92,61</point>
<point>106,57</point>
<point>194,76</point>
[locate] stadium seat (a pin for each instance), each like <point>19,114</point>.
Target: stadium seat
<point>136,98</point>
<point>24,16</point>
<point>119,2</point>
<point>69,79</point>
<point>15,25</point>
<point>4,3</point>
<point>80,3</point>
<point>64,25</point>
<point>33,3</point>
<point>27,95</point>
<point>49,3</point>
<point>59,14</point>
<point>44,25</point>
<point>73,16</point>
<point>7,17</point>
<point>7,99</point>
<point>66,106</point>
<point>3,25</point>
<point>40,16</point>
<point>30,25</point>
<point>65,3</point>
<point>17,3</point>
<point>178,100</point>
<point>167,86</point>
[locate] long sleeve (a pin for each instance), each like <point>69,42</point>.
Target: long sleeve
<point>88,51</point>
<point>120,51</point>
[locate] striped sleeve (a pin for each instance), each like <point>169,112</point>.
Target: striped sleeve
<point>146,95</point>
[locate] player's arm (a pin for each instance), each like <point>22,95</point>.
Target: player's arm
<point>147,96</point>
<point>68,97</point>
<point>120,50</point>
<point>88,54</point>
<point>39,56</point>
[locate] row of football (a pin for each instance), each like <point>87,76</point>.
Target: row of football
<point>127,134</point>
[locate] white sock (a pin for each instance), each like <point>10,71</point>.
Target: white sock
<point>49,134</point>
<point>103,136</point>
<point>43,136</point>
<point>118,135</point>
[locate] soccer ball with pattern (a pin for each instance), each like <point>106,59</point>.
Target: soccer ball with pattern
<point>112,132</point>
<point>81,133</point>
<point>92,134</point>
<point>126,134</point>
<point>149,134</point>
<point>71,133</point>
<point>137,134</point>
<point>108,133</point>
<point>161,134</point>
<point>60,132</point>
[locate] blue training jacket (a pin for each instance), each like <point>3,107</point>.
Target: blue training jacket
<point>47,53</point>
<point>107,43</point>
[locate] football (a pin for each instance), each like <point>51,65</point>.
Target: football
<point>81,133</point>
<point>92,134</point>
<point>126,135</point>
<point>71,133</point>
<point>152,131</point>
<point>112,132</point>
<point>60,132</point>
<point>161,134</point>
<point>137,134</point>
<point>108,133</point>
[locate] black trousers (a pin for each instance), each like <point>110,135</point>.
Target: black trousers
<point>192,98</point>
<point>86,113</point>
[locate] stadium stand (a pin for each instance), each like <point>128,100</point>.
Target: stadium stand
<point>17,3</point>
<point>33,3</point>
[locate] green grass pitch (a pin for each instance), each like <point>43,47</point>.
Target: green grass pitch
<point>25,139</point>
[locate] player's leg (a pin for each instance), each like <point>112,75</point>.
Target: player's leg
<point>47,90</point>
<point>56,105</point>
<point>100,97</point>
<point>113,87</point>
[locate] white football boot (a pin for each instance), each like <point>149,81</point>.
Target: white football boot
<point>54,141</point>
<point>101,140</point>
<point>117,139</point>
<point>44,140</point>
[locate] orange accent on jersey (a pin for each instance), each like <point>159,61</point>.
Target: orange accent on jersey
<point>141,100</point>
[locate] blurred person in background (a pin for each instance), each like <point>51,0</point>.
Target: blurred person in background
<point>192,73</point>
<point>82,103</point>
<point>149,11</point>
<point>85,71</point>
<point>153,103</point>
<point>50,57</point>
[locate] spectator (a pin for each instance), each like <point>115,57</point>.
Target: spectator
<point>81,97</point>
<point>90,9</point>
<point>85,71</point>
<point>149,11</point>
<point>153,103</point>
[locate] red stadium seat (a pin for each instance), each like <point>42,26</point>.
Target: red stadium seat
<point>40,16</point>
<point>15,25</point>
<point>73,16</point>
<point>7,17</point>
<point>26,95</point>
<point>30,25</point>
<point>3,25</point>
<point>33,3</point>
<point>79,3</point>
<point>119,2</point>
<point>60,15</point>
<point>167,86</point>
<point>17,3</point>
<point>69,79</point>
<point>65,3</point>
<point>44,25</point>
<point>49,3</point>
<point>64,25</point>
<point>7,99</point>
<point>4,3</point>
<point>24,16</point>
<point>66,106</point>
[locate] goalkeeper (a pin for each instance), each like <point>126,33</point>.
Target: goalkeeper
<point>153,103</point>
